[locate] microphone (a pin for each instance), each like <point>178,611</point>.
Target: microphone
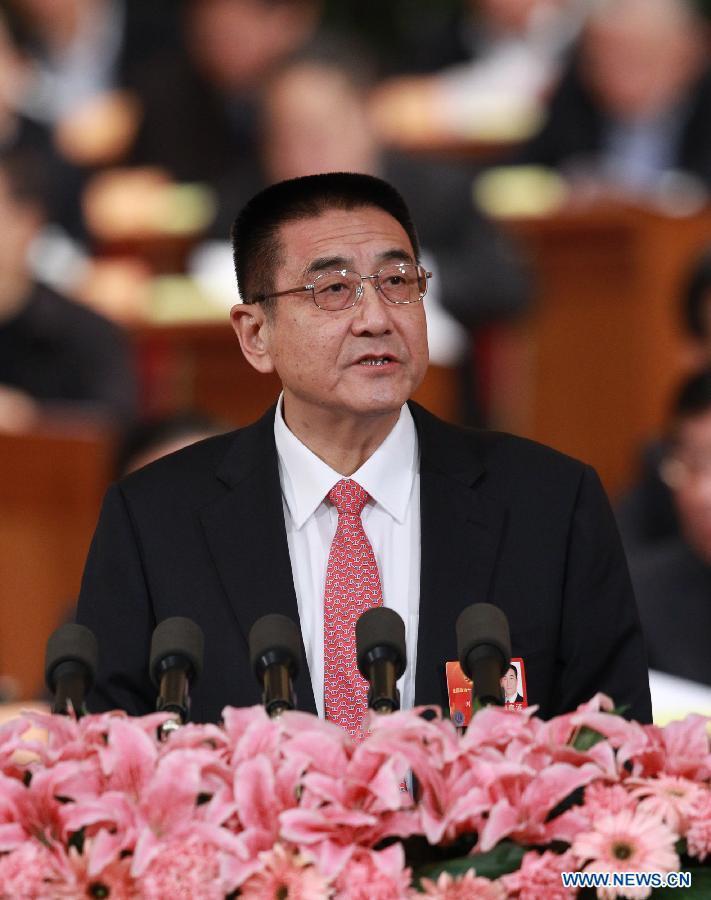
<point>381,655</point>
<point>70,663</point>
<point>484,650</point>
<point>275,657</point>
<point>177,648</point>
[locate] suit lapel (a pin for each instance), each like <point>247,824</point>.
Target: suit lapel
<point>247,539</point>
<point>461,530</point>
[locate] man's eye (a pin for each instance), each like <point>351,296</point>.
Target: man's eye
<point>335,287</point>
<point>395,280</point>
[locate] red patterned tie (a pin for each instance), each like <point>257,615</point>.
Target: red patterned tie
<point>352,586</point>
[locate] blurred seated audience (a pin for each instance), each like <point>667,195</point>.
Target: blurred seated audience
<point>77,59</point>
<point>54,353</point>
<point>316,120</point>
<point>510,54</point>
<point>635,102</point>
<point>80,50</point>
<point>200,108</point>
<point>672,578</point>
<point>646,513</point>
<point>19,132</point>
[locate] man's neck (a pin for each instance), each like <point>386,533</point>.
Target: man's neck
<point>342,445</point>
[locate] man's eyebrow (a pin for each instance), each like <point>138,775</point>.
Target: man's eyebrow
<point>328,264</point>
<point>333,263</point>
<point>395,254</point>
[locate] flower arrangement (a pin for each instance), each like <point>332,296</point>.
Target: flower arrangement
<point>291,808</point>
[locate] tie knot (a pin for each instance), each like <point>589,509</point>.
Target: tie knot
<point>348,497</point>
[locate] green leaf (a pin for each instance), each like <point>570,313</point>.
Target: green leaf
<point>585,738</point>
<point>504,858</point>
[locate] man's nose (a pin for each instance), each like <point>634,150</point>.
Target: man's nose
<point>372,312</point>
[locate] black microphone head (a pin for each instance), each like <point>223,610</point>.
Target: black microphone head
<point>180,638</point>
<point>71,643</point>
<point>275,639</point>
<point>380,629</point>
<point>482,624</point>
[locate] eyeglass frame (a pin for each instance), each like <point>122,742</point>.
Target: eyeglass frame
<point>359,290</point>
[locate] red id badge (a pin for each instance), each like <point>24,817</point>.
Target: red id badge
<point>459,688</point>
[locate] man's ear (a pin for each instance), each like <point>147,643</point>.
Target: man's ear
<point>252,329</point>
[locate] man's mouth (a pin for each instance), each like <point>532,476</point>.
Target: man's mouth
<point>376,361</point>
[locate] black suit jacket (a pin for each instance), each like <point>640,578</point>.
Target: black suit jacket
<point>201,534</point>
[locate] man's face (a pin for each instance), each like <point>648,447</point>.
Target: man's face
<point>639,66</point>
<point>322,357</point>
<point>509,683</point>
<point>692,486</point>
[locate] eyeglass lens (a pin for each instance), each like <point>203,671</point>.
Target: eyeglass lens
<point>399,283</point>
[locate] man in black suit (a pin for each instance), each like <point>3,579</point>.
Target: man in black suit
<point>238,526</point>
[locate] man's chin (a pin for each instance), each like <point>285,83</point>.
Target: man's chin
<point>380,404</point>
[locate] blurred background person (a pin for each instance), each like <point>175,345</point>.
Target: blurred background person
<point>21,133</point>
<point>491,65</point>
<point>81,50</point>
<point>672,579</point>
<point>79,59</point>
<point>200,107</point>
<point>635,102</point>
<point>646,512</point>
<point>54,353</point>
<point>515,52</point>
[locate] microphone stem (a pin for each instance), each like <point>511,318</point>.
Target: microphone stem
<point>70,689</point>
<point>173,695</point>
<point>277,697</point>
<point>383,696</point>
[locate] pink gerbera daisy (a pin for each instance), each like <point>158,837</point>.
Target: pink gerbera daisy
<point>539,876</point>
<point>469,887</point>
<point>627,841</point>
<point>27,872</point>
<point>667,797</point>
<point>113,881</point>
<point>285,876</point>
<point>698,835</point>
<point>183,869</point>
<point>601,798</point>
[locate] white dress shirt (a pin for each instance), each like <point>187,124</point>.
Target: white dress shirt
<point>391,520</point>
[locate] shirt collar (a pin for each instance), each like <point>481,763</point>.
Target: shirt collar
<point>388,475</point>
